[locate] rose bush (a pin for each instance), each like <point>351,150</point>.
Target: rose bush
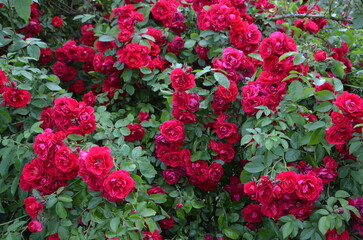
<point>181,120</point>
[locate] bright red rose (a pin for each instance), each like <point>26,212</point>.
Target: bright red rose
<point>330,163</point>
<point>143,116</point>
<point>54,236</point>
<point>264,192</point>
<point>180,80</point>
<point>118,185</point>
<point>229,94</point>
<point>99,160</point>
<point>250,189</point>
<point>288,181</point>
<point>16,97</point>
<point>176,158</point>
<point>172,130</point>
<point>308,187</point>
<point>33,171</point>
<point>350,103</point>
<point>65,160</point>
<point>162,10</point>
<point>320,55</point>
<point>57,22</point>
<point>272,209</point>
<point>136,132</point>
<point>252,213</point>
<point>35,226</point>
<point>339,134</point>
<point>33,207</point>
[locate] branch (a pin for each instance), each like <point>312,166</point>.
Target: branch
<point>312,17</point>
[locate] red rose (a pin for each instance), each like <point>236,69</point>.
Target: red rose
<point>136,132</point>
<point>180,80</point>
<point>155,190</point>
<point>57,22</point>
<point>89,99</point>
<point>172,130</point>
<point>320,55</point>
<point>272,209</point>
<point>16,97</point>
<point>232,58</point>
<point>172,176</point>
<point>224,129</point>
<point>229,94</point>
<point>333,235</point>
<point>330,163</point>
<point>35,226</point>
<point>225,151</point>
<point>162,9</point>
<point>215,172</point>
<point>99,160</point>
<point>308,187</point>
<point>77,87</point>
<point>176,158</point>
<point>33,171</point>
<point>118,185</point>
<point>250,103</point>
<point>54,236</point>
<point>33,207</point>
<point>167,223</point>
<point>350,103</point>
<point>250,189</point>
<point>288,181</point>
<point>143,116</point>
<point>252,213</point>
<point>339,134</point>
<point>45,56</point>
<point>197,170</point>
<point>65,160</point>
<point>264,192</point>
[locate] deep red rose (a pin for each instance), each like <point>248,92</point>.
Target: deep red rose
<point>162,9</point>
<point>172,176</point>
<point>154,236</point>
<point>308,187</point>
<point>65,160</point>
<point>252,213</point>
<point>229,94</point>
<point>330,163</point>
<point>166,223</point>
<point>57,22</point>
<point>225,151</point>
<point>235,188</point>
<point>136,132</point>
<point>89,99</point>
<point>172,130</point>
<point>118,185</point>
<point>264,192</point>
<point>180,80</point>
<point>320,55</point>
<point>35,226</point>
<point>333,235</point>
<point>99,160</point>
<point>339,134</point>
<point>176,158</point>
<point>197,170</point>
<point>54,236</point>
<point>33,207</point>
<point>77,87</point>
<point>33,171</point>
<point>224,129</point>
<point>16,97</point>
<point>45,56</point>
<point>143,116</point>
<point>155,190</point>
<point>272,209</point>
<point>250,189</point>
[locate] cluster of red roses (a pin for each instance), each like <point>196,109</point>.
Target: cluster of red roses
<point>268,89</point>
<point>33,207</point>
<point>351,107</point>
<point>94,168</point>
<point>339,53</point>
<point>167,12</point>
<point>357,221</point>
<point>70,116</point>
<point>127,17</point>
<point>289,193</point>
<point>168,143</point>
<point>184,104</point>
<point>13,96</point>
<point>311,25</point>
<point>47,172</point>
<point>34,26</point>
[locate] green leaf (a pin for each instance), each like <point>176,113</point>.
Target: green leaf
<point>314,125</point>
<point>287,229</point>
<point>292,155</point>
<point>147,212</point>
<point>106,38</point>
<point>189,43</point>
<point>358,22</point>
<point>114,224</point>
<point>324,107</point>
<point>146,169</point>
<point>324,95</point>
<point>22,7</point>
<point>299,58</point>
<point>231,233</point>
<point>254,167</point>
<point>75,137</point>
<point>256,56</point>
<point>171,57</point>
<point>33,51</point>
<point>145,70</point>
<point>52,86</point>
<point>222,79</point>
<point>125,150</point>
<point>65,198</point>
<point>36,127</point>
<point>60,210</point>
<point>324,224</point>
<point>342,194</point>
<point>288,54</point>
<point>136,152</point>
<point>337,69</point>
